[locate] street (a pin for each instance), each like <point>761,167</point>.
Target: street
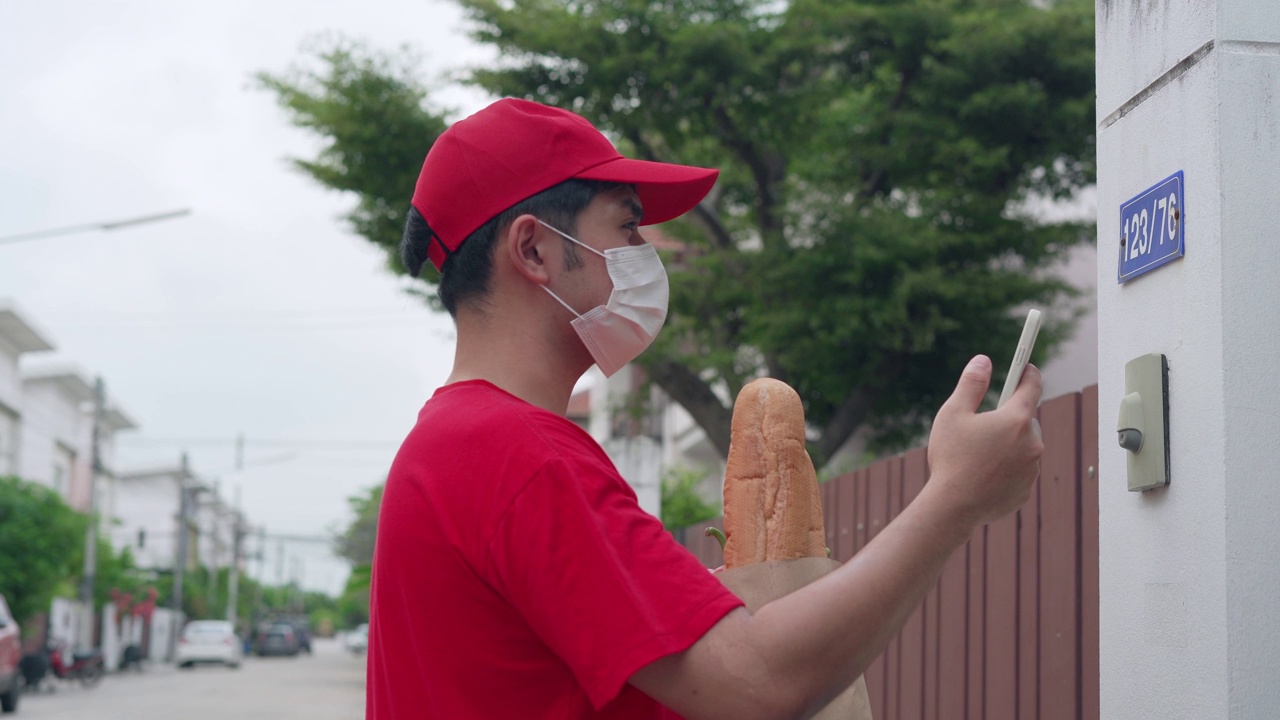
<point>328,685</point>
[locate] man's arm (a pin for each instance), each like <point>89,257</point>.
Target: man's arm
<point>794,655</point>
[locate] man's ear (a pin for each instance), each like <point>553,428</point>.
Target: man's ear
<point>526,249</point>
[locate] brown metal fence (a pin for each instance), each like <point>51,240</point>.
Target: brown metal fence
<point>1011,629</point>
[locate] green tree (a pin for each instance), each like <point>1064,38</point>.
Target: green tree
<point>681,505</point>
<point>371,110</point>
<point>355,544</point>
<point>116,571</point>
<point>868,233</point>
<point>41,545</point>
<point>353,603</point>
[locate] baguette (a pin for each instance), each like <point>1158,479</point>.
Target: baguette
<point>772,505</point>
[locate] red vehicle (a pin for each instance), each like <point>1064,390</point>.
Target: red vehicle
<point>85,667</point>
<point>10,656</point>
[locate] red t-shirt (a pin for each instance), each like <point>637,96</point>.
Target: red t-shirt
<point>515,575</point>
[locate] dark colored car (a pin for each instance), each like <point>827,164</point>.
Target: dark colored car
<point>277,639</point>
<point>10,657</point>
<point>302,629</point>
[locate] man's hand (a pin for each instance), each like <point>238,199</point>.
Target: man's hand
<point>983,464</point>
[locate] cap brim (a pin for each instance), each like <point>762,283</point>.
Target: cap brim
<point>666,191</point>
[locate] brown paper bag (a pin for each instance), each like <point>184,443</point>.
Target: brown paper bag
<point>761,583</point>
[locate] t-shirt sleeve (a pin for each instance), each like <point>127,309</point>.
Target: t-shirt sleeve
<point>600,581</point>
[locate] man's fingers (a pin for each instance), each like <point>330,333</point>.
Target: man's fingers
<point>972,387</point>
<point>1030,387</point>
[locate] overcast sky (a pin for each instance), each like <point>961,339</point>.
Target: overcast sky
<point>258,313</point>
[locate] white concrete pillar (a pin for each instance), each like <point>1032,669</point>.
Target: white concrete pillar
<point>1190,574</point>
<point>111,645</point>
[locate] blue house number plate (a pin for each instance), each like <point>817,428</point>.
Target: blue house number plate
<point>1151,229</point>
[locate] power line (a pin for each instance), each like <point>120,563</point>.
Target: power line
<point>106,226</point>
<point>209,440</point>
<point>282,314</point>
<point>348,324</point>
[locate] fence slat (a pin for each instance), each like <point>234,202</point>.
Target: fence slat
<point>846,517</point>
<point>893,651</point>
<point>1029,606</point>
<point>911,647</point>
<point>1000,681</point>
<point>877,477</point>
<point>953,636</point>
<point>977,626</point>
<point>863,525</point>
<point>830,502</point>
<point>1089,668</point>
<point>1059,553</point>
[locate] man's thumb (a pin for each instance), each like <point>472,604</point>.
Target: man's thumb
<point>973,385</point>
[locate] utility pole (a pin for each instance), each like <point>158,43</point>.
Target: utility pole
<point>237,547</point>
<point>180,562</point>
<point>239,452</point>
<point>215,546</point>
<point>262,576</point>
<point>91,533</point>
<point>280,563</point>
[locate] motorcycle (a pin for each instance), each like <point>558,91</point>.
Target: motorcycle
<point>86,667</point>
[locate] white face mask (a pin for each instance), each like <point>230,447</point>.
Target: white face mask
<point>617,332</point>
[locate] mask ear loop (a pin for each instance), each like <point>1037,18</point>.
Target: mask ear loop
<point>571,239</point>
<point>565,304</point>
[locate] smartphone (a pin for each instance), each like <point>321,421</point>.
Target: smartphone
<point>1021,356</point>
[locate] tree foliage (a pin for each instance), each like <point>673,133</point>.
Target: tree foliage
<point>117,570</point>
<point>682,505</point>
<point>355,544</point>
<point>41,545</point>
<point>868,232</point>
<point>370,109</point>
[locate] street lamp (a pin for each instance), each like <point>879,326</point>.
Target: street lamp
<point>108,226</point>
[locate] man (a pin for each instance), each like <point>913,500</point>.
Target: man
<point>515,576</point>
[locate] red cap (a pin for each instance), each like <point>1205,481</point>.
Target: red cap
<point>514,149</point>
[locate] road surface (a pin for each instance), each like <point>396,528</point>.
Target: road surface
<point>328,685</point>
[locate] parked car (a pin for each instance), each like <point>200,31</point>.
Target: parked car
<point>277,639</point>
<point>302,631</point>
<point>358,639</point>
<point>10,657</point>
<point>209,641</point>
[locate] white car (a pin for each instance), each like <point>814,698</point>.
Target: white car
<point>209,641</point>
<point>358,639</point>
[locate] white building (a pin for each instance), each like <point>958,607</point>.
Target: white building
<point>47,416</point>
<point>57,434</point>
<point>18,337</point>
<point>146,511</point>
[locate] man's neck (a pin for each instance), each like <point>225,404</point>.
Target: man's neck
<point>520,363</point>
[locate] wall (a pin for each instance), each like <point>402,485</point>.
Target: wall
<point>150,503</point>
<point>56,435</point>
<point>10,446</point>
<point>10,407</point>
<point>1188,573</point>
<point>10,378</point>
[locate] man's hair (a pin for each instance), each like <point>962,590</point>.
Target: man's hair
<point>465,276</point>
